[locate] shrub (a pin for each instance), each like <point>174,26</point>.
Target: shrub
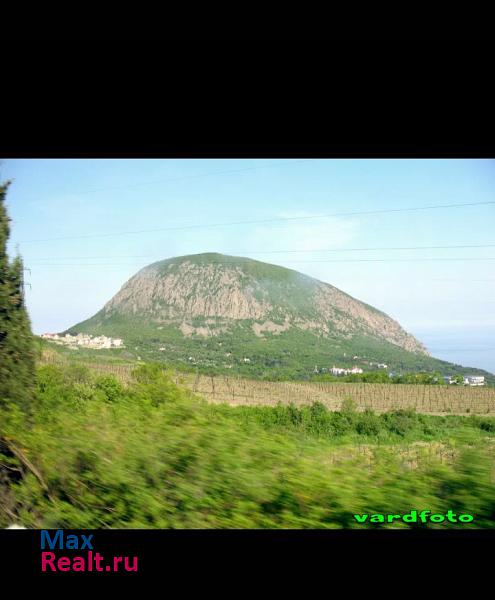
<point>348,405</point>
<point>400,422</point>
<point>148,373</point>
<point>110,386</point>
<point>487,425</point>
<point>369,424</point>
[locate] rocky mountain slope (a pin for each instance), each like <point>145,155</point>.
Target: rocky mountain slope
<point>221,311</point>
<point>222,290</point>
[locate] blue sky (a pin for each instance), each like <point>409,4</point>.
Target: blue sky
<point>448,304</point>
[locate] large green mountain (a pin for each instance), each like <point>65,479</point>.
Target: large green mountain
<point>232,314</point>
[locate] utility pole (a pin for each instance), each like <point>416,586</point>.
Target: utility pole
<point>23,283</point>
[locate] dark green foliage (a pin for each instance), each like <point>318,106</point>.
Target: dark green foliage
<point>391,426</point>
<point>17,353</point>
<point>401,422</point>
<point>487,425</point>
<point>433,378</point>
<point>428,378</point>
<point>369,424</point>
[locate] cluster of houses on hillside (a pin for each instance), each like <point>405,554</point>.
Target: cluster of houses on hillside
<point>84,340</point>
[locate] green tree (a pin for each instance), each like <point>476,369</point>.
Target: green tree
<point>17,350</point>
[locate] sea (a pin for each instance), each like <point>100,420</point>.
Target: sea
<point>466,346</point>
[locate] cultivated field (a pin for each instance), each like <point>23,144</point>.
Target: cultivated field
<point>377,397</point>
<point>430,399</point>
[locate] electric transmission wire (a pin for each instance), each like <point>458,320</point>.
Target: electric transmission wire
<point>227,262</point>
<point>259,221</point>
<point>238,252</point>
<point>192,176</point>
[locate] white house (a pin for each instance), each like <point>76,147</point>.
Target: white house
<point>339,371</point>
<point>474,380</point>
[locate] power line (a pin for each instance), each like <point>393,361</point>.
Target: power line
<point>376,248</point>
<point>260,221</point>
<point>282,251</point>
<point>392,260</point>
<point>223,262</point>
<point>192,176</point>
<point>93,257</point>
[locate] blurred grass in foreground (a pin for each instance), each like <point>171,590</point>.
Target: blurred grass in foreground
<point>94,453</point>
